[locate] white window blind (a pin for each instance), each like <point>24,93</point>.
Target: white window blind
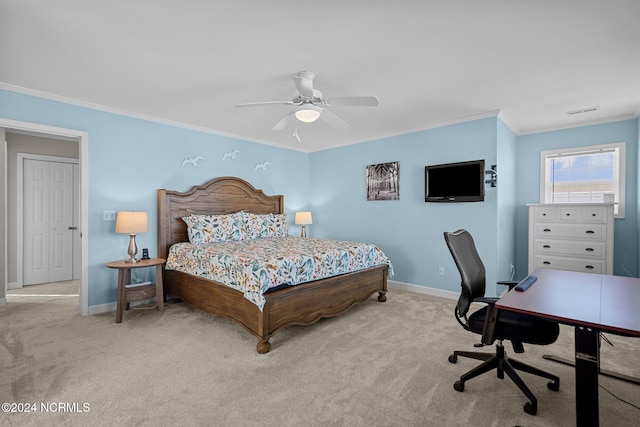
<point>584,175</point>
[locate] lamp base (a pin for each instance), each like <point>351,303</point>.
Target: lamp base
<point>133,249</point>
<point>303,233</point>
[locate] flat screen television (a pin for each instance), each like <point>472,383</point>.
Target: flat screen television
<point>454,182</point>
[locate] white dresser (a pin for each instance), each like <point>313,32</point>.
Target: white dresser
<point>576,237</point>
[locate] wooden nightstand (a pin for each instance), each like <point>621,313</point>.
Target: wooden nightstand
<point>137,293</point>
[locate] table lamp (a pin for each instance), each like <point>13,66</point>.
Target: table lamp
<point>132,223</point>
<point>303,218</point>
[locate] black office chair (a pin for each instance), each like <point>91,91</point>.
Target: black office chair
<point>495,325</point>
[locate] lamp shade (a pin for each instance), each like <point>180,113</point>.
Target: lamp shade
<point>132,222</point>
<point>308,113</point>
<point>303,218</point>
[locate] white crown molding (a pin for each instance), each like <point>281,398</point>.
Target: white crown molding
<point>449,122</point>
<point>507,122</point>
<point>104,108</point>
<point>99,107</point>
<point>578,125</point>
<point>435,125</point>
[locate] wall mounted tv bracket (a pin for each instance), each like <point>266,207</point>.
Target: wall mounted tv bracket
<point>494,176</point>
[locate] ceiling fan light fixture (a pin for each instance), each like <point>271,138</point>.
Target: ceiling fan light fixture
<point>308,113</point>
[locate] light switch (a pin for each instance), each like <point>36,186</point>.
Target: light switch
<point>108,215</point>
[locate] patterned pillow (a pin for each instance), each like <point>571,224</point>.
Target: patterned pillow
<point>256,226</point>
<point>214,228</point>
<point>279,227</point>
<point>263,226</point>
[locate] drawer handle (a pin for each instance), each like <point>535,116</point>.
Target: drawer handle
<point>590,232</point>
<point>589,249</point>
<point>546,246</point>
<point>589,267</point>
<point>546,230</point>
<point>567,214</point>
<point>546,263</point>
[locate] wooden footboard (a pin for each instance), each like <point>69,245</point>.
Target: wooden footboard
<point>302,304</point>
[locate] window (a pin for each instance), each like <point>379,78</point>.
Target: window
<point>584,175</point>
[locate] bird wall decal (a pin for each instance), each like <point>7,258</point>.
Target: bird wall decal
<point>231,155</point>
<point>192,161</point>
<point>262,166</point>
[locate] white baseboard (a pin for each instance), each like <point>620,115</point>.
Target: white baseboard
<point>110,307</point>
<point>423,290</point>
<point>13,285</point>
<point>3,302</point>
<point>102,308</point>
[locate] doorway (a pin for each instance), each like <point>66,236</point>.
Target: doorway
<point>79,138</point>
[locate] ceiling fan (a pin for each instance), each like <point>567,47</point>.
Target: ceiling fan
<point>310,103</point>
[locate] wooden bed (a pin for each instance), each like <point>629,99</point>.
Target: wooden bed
<point>302,304</point>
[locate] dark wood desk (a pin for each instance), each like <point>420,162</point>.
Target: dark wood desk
<point>592,303</point>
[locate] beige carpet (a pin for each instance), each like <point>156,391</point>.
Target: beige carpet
<point>380,364</point>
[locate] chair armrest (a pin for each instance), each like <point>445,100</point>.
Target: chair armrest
<point>489,328</point>
<point>486,300</point>
<point>510,283</point>
<point>490,320</point>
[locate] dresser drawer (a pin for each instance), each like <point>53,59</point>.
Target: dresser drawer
<point>595,214</point>
<point>574,231</point>
<point>568,214</point>
<point>571,248</point>
<point>544,213</point>
<point>140,293</point>
<point>572,264</point>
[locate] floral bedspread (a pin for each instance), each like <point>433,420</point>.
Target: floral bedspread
<point>255,266</point>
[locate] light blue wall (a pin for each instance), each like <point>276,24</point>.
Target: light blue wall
<point>528,185</point>
<point>408,230</point>
<point>130,159</point>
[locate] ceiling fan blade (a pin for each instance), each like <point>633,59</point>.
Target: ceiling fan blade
<point>284,122</point>
<point>353,101</point>
<point>333,120</point>
<point>304,83</point>
<point>248,104</point>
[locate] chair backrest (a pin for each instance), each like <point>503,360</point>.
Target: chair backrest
<point>470,266</point>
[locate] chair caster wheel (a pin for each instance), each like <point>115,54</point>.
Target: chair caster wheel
<point>458,386</point>
<point>453,358</point>
<point>554,386</point>
<point>530,409</point>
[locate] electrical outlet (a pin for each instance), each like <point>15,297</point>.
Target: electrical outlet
<point>108,215</point>
<point>441,270</point>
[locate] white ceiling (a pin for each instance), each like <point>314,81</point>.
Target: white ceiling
<point>429,62</point>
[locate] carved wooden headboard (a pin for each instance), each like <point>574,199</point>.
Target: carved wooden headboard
<point>217,197</point>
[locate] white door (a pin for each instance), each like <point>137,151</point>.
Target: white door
<point>77,253</point>
<point>48,219</point>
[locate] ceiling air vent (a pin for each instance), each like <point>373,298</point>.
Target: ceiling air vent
<point>583,110</point>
